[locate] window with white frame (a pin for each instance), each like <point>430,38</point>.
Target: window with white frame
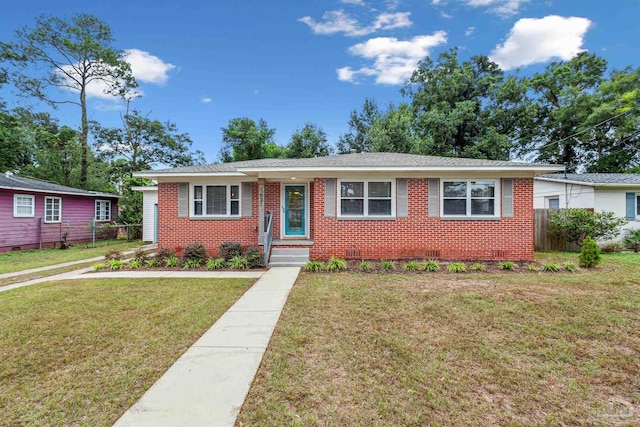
<point>103,210</point>
<point>216,200</point>
<point>553,202</point>
<point>366,198</point>
<point>52,209</point>
<point>638,206</point>
<point>469,198</point>
<point>24,206</point>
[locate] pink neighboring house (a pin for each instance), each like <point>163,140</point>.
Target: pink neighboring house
<point>36,214</point>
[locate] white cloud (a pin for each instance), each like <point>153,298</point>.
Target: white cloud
<point>148,68</point>
<point>469,31</point>
<point>532,41</point>
<point>355,2</point>
<point>504,8</point>
<point>393,60</point>
<point>338,21</point>
<point>206,100</point>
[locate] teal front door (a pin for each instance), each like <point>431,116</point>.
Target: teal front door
<point>294,210</point>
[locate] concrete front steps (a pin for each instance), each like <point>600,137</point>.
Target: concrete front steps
<point>288,257</point>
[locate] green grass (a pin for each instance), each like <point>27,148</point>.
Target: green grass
<point>442,349</point>
<point>34,258</point>
<point>79,353</point>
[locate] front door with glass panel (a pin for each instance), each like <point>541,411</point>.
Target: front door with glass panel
<point>294,211</point>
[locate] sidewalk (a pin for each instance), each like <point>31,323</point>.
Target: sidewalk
<point>70,263</point>
<point>209,382</point>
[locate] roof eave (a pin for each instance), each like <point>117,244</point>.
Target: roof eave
<point>588,184</point>
<point>68,193</point>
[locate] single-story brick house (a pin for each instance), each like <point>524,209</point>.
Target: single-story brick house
<point>613,192</point>
<point>36,214</point>
<point>360,206</point>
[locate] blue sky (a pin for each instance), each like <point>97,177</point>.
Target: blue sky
<point>203,63</point>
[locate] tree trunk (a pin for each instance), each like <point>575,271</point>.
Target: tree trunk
<point>83,139</point>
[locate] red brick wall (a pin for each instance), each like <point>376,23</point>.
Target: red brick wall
<point>419,236</point>
<point>174,232</point>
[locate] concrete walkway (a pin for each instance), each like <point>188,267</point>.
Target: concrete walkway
<point>209,382</point>
<point>70,263</point>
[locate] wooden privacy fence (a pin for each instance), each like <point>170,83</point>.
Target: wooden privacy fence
<point>542,241</point>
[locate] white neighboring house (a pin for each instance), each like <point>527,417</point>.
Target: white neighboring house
<point>613,192</point>
<point>149,213</point>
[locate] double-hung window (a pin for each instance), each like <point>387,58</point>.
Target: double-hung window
<point>216,200</point>
<point>52,209</point>
<point>366,198</point>
<point>469,198</point>
<point>24,206</point>
<point>638,207</point>
<point>103,210</point>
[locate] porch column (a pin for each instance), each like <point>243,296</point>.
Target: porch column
<point>261,211</point>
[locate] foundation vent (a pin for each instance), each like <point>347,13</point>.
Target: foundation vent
<point>500,254</point>
<point>432,253</point>
<point>353,253</point>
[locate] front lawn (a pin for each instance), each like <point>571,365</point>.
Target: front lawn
<point>34,258</point>
<point>81,352</point>
<point>447,349</point>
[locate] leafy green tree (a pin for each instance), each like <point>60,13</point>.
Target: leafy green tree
<point>244,139</point>
<point>393,132</point>
<point>145,143</point>
<point>70,55</point>
<point>15,151</point>
<point>359,123</point>
<point>452,107</point>
<point>575,224</point>
<point>310,141</point>
<point>590,253</point>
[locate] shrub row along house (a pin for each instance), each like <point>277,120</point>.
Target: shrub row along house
<point>37,214</point>
<point>361,205</point>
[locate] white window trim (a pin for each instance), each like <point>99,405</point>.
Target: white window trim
<point>497,196</point>
<point>59,212</point>
<point>636,206</point>
<point>204,200</point>
<point>366,197</point>
<point>15,206</point>
<point>108,211</point>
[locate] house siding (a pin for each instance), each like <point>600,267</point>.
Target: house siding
<point>28,233</point>
<point>419,236</point>
<point>175,233</point>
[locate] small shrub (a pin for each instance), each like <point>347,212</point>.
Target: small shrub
<point>113,255</point>
<point>478,267</point>
<point>194,252</point>
<point>632,240</point>
<point>314,266</point>
<point>215,264</point>
<point>611,247</point>
<point>134,264</point>
<point>412,266</point>
<point>151,263</point>
<point>507,265</point>
<point>163,254</point>
<point>388,265</point>
<point>532,267</point>
<point>336,264</point>
<point>569,266</point>
<point>191,263</point>
<point>456,267</point>
<point>239,262</point>
<point>228,250</point>
<point>140,255</point>
<point>255,258</point>
<point>365,266</point>
<point>116,264</point>
<point>99,267</point>
<point>172,262</point>
<point>551,267</point>
<point>590,253</point>
<point>431,266</point>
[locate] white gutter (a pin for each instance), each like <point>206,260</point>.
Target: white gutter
<point>153,175</point>
<point>402,169</point>
<point>587,184</point>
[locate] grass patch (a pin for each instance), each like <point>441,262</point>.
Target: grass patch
<point>34,258</point>
<point>82,352</point>
<point>442,349</point>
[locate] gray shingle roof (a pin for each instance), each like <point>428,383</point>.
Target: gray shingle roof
<point>597,178</point>
<point>17,182</point>
<point>356,160</point>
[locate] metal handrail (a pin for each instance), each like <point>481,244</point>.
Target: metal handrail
<point>268,236</point>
